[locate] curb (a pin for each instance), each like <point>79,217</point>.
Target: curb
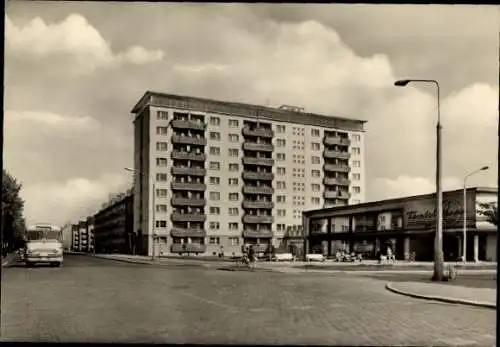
<point>130,261</point>
<point>390,288</point>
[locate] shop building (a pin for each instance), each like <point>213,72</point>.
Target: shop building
<point>408,226</point>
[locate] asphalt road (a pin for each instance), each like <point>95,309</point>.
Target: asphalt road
<point>97,300</point>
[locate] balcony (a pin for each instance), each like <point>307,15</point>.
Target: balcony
<point>344,195</point>
<point>262,176</point>
<point>335,140</point>
<point>191,171</point>
<point>253,146</point>
<point>189,140</point>
<point>188,248</point>
<point>188,124</point>
<point>330,181</point>
<point>188,232</point>
<point>264,219</point>
<point>258,204</point>
<point>331,194</point>
<point>188,217</point>
<point>262,132</point>
<point>343,182</point>
<point>197,202</point>
<point>258,190</point>
<point>336,154</point>
<point>188,156</point>
<point>258,161</point>
<point>263,234</point>
<point>200,187</point>
<point>336,168</point>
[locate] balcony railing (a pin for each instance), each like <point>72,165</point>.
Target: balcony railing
<point>257,234</point>
<point>344,195</point>
<point>336,154</point>
<point>188,217</point>
<point>258,161</point>
<point>253,146</point>
<point>331,194</point>
<point>335,140</point>
<point>257,219</point>
<point>258,204</point>
<point>188,202</point>
<point>262,132</point>
<point>188,248</point>
<point>343,182</point>
<point>188,124</point>
<point>189,140</point>
<point>258,190</point>
<point>189,186</point>
<point>188,156</point>
<point>336,168</point>
<point>188,232</point>
<point>191,171</point>
<point>330,181</point>
<point>263,176</point>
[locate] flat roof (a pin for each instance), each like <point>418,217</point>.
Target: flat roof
<point>393,201</point>
<point>153,98</point>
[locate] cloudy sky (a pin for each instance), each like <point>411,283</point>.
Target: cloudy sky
<point>73,71</point>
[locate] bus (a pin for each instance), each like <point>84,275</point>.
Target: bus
<point>43,245</point>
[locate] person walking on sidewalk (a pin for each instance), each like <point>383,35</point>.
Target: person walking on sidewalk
<point>251,256</point>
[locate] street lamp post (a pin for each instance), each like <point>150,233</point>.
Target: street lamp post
<point>153,226</point>
<point>438,240</point>
<point>464,246</point>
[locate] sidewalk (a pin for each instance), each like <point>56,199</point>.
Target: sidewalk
<point>454,294</point>
<point>9,259</point>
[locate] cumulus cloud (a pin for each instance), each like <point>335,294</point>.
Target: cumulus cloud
<point>74,40</point>
<point>407,186</point>
<point>54,121</point>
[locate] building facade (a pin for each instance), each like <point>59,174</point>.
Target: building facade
<point>226,174</point>
<point>407,225</point>
<point>113,227</point>
<point>67,236</point>
<point>75,242</point>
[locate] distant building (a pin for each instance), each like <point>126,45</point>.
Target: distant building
<point>407,225</point>
<point>90,234</point>
<point>113,227</point>
<point>67,236</point>
<point>75,244</point>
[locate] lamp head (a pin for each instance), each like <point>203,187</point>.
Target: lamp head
<point>401,83</point>
<point>485,168</point>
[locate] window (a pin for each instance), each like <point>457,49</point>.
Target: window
<point>161,208</point>
<point>315,187</point>
<point>280,142</point>
<point>280,227</point>
<point>280,128</point>
<point>162,115</point>
<point>214,196</point>
<point>280,199</point>
<point>233,211</point>
<point>214,180</point>
<point>161,161</point>
<point>315,160</point>
<point>233,181</point>
<point>161,130</point>
<point>315,200</point>
<point>214,136</point>
<point>161,223</point>
<point>315,146</point>
<point>356,150</point>
<point>161,146</point>
<point>233,226</point>
<point>214,240</point>
<point>233,152</point>
<point>356,137</point>
<point>215,166</point>
<point>281,185</point>
<point>233,123</point>
<point>161,176</point>
<point>356,190</point>
<point>315,173</point>
<point>280,171</point>
<point>233,137</point>
<point>215,121</point>
<point>233,196</point>
<point>280,156</point>
<point>214,210</point>
<point>281,213</point>
<point>234,167</point>
<point>315,132</point>
<point>161,193</point>
<point>356,163</point>
<point>234,241</point>
<point>214,150</point>
<point>214,225</point>
<point>356,176</point>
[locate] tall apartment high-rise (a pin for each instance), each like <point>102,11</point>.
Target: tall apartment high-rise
<point>228,174</point>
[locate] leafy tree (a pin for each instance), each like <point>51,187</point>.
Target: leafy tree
<point>490,211</point>
<point>13,222</point>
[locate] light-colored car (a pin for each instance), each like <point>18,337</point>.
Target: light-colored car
<point>43,251</point>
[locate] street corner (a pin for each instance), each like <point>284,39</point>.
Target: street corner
<point>437,294</point>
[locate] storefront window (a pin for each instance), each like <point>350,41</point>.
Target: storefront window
<point>319,226</point>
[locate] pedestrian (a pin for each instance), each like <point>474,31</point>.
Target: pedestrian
<point>251,256</point>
